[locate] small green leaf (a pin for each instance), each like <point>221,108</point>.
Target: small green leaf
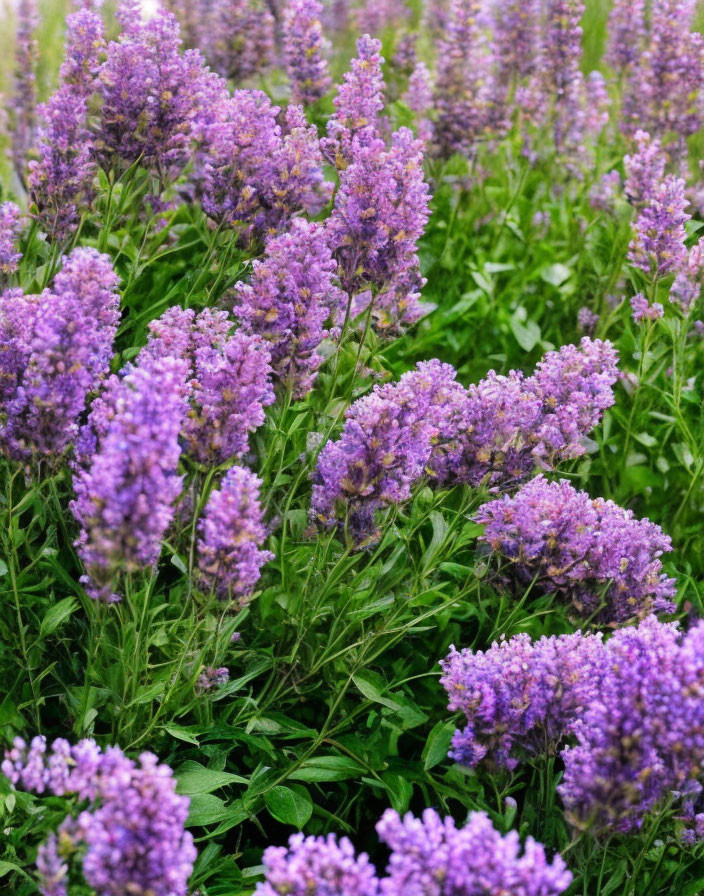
<point>327,768</point>
<point>181,734</point>
<point>555,274</point>
<point>194,778</point>
<point>289,806</point>
<point>57,615</point>
<point>438,744</point>
<point>206,809</point>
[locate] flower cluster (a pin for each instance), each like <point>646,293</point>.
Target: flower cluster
<point>127,481</point>
<point>10,228</point>
<point>592,553</point>
<point>643,310</point>
<point>211,678</point>
<point>520,696</point>
<point>150,95</point>
<point>658,244</point>
<point>253,173</point>
<point>645,169</point>
<point>511,424</point>
<point>304,45</point>
<point>384,448</point>
<point>56,348</point>
<point>429,855</point>
<point>24,97</point>
<point>419,99</point>
<point>358,103</point>
<point>238,37</point>
<point>131,834</point>
<point>380,213</point>
<point>84,46</point>
<point>228,380</point>
<point>291,295</point>
<point>231,531</point>
<point>642,740</point>
<point>461,94</point>
<point>627,34</point>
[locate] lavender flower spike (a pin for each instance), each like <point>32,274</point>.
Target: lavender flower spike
<point>304,45</point>
<point>658,245</point>
<point>10,227</point>
<point>592,553</point>
<point>291,295</point>
<point>231,530</point>
<point>127,485</point>
<point>24,97</point>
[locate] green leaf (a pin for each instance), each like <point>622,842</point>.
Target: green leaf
<point>181,734</point>
<point>555,274</point>
<point>56,615</point>
<point>206,809</point>
<point>3,568</point>
<point>8,867</point>
<point>527,335</point>
<point>289,806</point>
<point>438,744</point>
<point>194,778</point>
<point>327,768</point>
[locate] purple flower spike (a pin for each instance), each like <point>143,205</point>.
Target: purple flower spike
<point>231,531</point>
<point>127,482</point>
<point>10,228</point>
<point>593,554</point>
<point>290,297</point>
<point>304,46</point>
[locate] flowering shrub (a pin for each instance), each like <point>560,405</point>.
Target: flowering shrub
<point>333,334</point>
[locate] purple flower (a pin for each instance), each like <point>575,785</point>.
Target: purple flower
<point>358,103</point>
<point>51,869</point>
<point>384,448</point>
<point>520,697</point>
<point>252,175</point>
<point>374,16</point>
<point>84,45</point>
<point>231,532</point>
<point>238,37</point>
<point>23,102</point>
<point>430,855</point>
<point>511,424</point>
<point>658,244</point>
<point>304,46</point>
<point>10,229</point>
<point>687,285</point>
<point>56,356</point>
<point>461,96</point>
<point>419,99</point>
<point>61,180</point>
<point>317,866</point>
<point>380,213</point>
<point>150,95</point>
<point>228,380</point>
<point>645,169</point>
<point>664,92</point>
<point>211,678</point>
<point>587,320</point>
<point>643,310</point>
<point>627,34</point>
<point>593,554</point>
<point>291,295</point>
<point>126,481</point>
<point>642,740</point>
<point>131,835</point>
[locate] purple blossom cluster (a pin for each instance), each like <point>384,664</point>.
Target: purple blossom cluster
<point>290,297</point>
<point>643,310</point>
<point>126,481</point>
<point>593,554</point>
<point>254,172</point>
<point>150,94</point>
<point>520,697</point>
<point>231,532</point>
<point>304,46</point>
<point>56,348</point>
<point>658,244</point>
<point>461,96</point>
<point>23,102</point>
<point>228,380</point>
<point>211,678</point>
<point>374,16</point>
<point>645,169</point>
<point>419,99</point>
<point>385,446</point>
<point>85,45</point>
<point>380,212</point>
<point>429,855</point>
<point>131,834</point>
<point>627,34</point>
<point>510,425</point>
<point>238,37</point>
<point>10,228</point>
<point>641,741</point>
<point>358,103</point>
